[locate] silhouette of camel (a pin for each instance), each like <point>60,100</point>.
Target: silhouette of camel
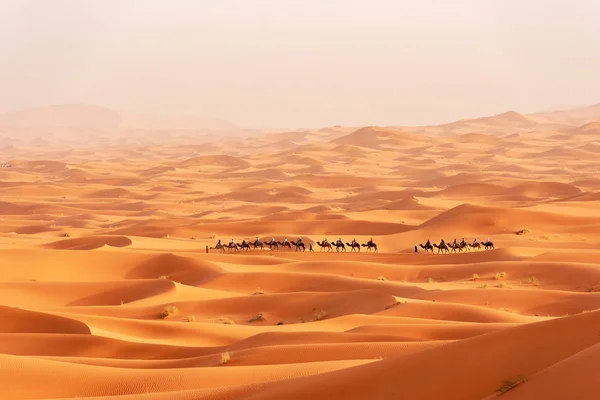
<point>353,246</point>
<point>475,245</point>
<point>455,247</point>
<point>229,247</point>
<point>442,247</point>
<point>272,244</point>
<point>339,246</point>
<point>371,246</point>
<point>243,246</point>
<point>285,244</point>
<point>218,247</point>
<point>488,245</point>
<point>258,245</point>
<point>427,247</point>
<point>299,246</point>
<point>324,245</point>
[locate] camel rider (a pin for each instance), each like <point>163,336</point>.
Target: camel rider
<point>455,244</point>
<point>232,243</point>
<point>428,243</point>
<point>340,241</point>
<point>299,241</point>
<point>353,241</point>
<point>475,241</point>
<point>285,240</point>
<point>442,242</point>
<point>218,243</point>
<point>488,240</point>
<point>463,243</point>
<point>325,241</point>
<point>370,241</point>
<point>256,242</point>
<point>272,240</point>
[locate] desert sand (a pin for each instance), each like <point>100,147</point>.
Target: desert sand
<point>107,291</point>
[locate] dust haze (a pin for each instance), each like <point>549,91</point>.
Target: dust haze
<point>302,64</point>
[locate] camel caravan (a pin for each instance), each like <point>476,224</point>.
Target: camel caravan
<point>455,247</point>
<point>298,245</point>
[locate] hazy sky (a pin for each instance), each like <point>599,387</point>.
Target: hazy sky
<point>304,63</point>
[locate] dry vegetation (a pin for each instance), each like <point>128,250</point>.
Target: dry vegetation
<point>225,358</point>
<point>169,310</point>
<point>257,317</point>
<point>510,384</point>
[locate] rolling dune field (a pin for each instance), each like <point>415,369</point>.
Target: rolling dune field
<point>107,290</point>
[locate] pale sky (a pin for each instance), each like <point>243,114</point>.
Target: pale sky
<point>302,63</point>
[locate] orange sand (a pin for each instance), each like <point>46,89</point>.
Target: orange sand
<point>106,291</point>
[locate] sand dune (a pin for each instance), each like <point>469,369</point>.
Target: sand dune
<point>111,288</point>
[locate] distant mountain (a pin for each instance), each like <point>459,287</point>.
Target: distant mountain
<point>96,118</point>
<point>575,116</point>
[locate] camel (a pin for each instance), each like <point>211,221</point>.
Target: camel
<point>299,246</point>
<point>442,247</point>
<point>272,244</point>
<point>229,246</point>
<point>475,245</point>
<point>427,247</point>
<point>488,245</point>
<point>455,247</point>
<point>218,247</point>
<point>244,246</point>
<point>258,245</point>
<point>371,246</point>
<point>353,246</point>
<point>324,245</point>
<point>339,245</point>
<point>285,244</point>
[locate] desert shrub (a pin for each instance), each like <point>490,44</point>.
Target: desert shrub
<point>225,357</point>
<point>509,385</point>
<point>169,310</point>
<point>320,315</point>
<point>257,317</point>
<point>530,281</point>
